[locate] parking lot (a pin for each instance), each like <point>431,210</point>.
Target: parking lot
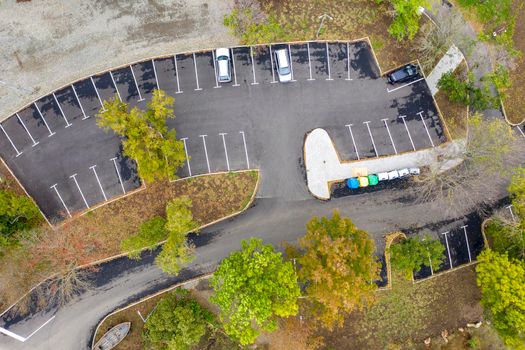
<point>69,165</point>
<point>463,242</point>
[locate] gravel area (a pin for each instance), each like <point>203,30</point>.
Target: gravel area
<point>49,44</point>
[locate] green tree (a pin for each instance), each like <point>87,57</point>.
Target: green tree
<point>17,213</point>
<point>412,253</point>
<point>178,323</point>
<point>146,137</point>
<point>502,283</point>
<point>150,233</point>
<point>406,18</point>
<point>252,287</point>
<point>338,268</point>
<point>177,251</point>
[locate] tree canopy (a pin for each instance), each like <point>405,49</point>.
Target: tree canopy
<point>151,232</point>
<point>502,283</point>
<point>178,323</point>
<point>338,268</point>
<point>146,137</point>
<point>412,253</point>
<point>177,251</point>
<point>406,18</point>
<point>17,213</point>
<point>252,287</point>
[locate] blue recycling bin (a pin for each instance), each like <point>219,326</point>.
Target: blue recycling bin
<point>352,183</point>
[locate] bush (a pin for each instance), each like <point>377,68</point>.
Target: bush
<point>150,233</point>
<point>17,213</point>
<point>412,253</point>
<point>406,19</point>
<point>178,323</point>
<point>466,93</point>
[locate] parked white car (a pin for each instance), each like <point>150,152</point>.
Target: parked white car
<point>223,60</point>
<point>282,65</point>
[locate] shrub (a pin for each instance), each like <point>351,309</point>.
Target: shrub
<point>412,253</point>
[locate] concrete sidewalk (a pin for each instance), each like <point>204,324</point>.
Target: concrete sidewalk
<point>448,63</point>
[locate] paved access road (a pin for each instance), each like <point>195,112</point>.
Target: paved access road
<point>69,165</point>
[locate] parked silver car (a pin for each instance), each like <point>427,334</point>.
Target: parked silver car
<point>223,59</point>
<point>282,65</point>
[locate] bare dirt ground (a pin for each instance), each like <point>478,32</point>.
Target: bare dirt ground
<point>48,44</point>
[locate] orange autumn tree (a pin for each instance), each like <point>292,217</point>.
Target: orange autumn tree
<point>337,267</point>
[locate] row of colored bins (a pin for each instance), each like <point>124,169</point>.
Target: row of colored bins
<point>362,181</point>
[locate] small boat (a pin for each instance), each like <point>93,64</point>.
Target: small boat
<point>113,336</point>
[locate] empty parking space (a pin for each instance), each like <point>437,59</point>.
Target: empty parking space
<point>185,70</point>
<point>87,97</point>
<point>243,71</point>
<point>318,59</point>
<point>301,62</point>
<point>362,61</point>
<point>125,82</point>
<point>146,77</point>
<point>104,86</point>
<point>166,75</point>
<point>205,70</point>
<point>263,64</point>
<point>338,60</point>
<point>69,106</point>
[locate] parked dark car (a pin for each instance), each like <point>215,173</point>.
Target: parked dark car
<point>406,73</point>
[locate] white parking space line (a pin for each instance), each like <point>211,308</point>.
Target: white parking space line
<point>215,70</point>
<point>98,180</point>
<point>179,91</point>
<point>114,159</point>
<point>328,62</point>
<point>68,124</point>
<point>78,101</point>
<point>155,73</point>
<point>196,73</point>
<point>309,61</point>
<point>135,80</point>
<point>349,126</point>
<point>273,69</point>
<point>10,141</point>
<point>115,85</point>
<point>448,248</point>
<point>253,67</point>
<point>245,149</point>
<point>408,131</point>
<point>51,133</point>
<point>27,130</point>
<point>187,157</point>
<point>206,151</point>
<point>98,95</point>
<point>234,71</point>
<point>61,200</point>
<point>291,62</point>
<point>389,134</point>
<point>466,239</point>
<point>74,177</point>
<point>426,128</point>
<point>225,149</point>
<point>348,61</point>
<point>521,131</point>
<point>371,137</point>
<point>402,86</point>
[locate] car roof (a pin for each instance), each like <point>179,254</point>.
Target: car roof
<point>282,56</point>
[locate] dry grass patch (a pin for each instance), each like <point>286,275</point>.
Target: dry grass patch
<point>97,235</point>
<point>408,313</point>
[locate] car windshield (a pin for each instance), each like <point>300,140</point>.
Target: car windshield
<point>284,70</point>
<point>222,58</point>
